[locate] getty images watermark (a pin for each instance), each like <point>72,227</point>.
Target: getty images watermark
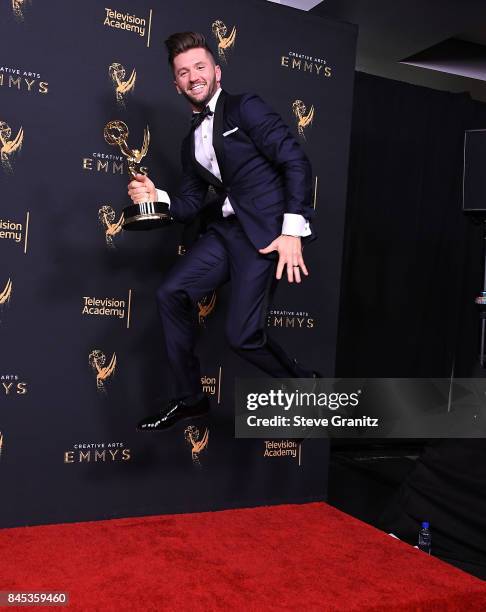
<point>305,399</point>
<point>360,408</point>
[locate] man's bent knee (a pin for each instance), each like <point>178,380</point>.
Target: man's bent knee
<point>170,294</point>
<point>241,341</point>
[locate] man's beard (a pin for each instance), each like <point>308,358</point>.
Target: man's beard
<point>202,103</point>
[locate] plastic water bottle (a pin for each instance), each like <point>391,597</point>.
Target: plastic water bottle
<point>424,538</point>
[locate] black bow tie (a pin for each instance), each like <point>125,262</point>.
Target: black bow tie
<point>198,118</point>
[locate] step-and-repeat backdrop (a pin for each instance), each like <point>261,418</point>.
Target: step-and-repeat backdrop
<point>81,347</point>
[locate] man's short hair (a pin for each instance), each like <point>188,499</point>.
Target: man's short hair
<point>183,41</point>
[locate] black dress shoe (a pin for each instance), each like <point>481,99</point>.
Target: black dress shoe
<point>301,372</point>
<point>175,411</point>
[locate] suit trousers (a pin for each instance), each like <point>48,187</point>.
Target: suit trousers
<point>223,253</point>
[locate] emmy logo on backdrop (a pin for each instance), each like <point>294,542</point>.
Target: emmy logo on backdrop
<point>18,8</point>
<point>303,119</point>
<point>206,306</point>
<point>97,360</point>
<point>6,294</point>
<point>225,43</point>
<point>144,215</point>
<point>7,146</point>
<point>106,215</point>
<point>198,444</point>
<point>1,443</point>
<point>117,73</point>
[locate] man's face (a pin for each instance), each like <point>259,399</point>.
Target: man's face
<point>197,78</point>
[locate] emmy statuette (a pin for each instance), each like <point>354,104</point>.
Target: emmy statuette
<point>144,215</point>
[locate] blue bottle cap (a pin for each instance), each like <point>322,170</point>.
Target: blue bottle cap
<point>425,524</point>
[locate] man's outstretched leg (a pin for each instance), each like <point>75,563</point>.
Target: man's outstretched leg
<point>252,277</point>
<point>202,269</point>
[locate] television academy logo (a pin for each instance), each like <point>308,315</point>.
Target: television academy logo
<point>14,231</point>
<point>108,307</point>
<point>98,452</point>
<point>225,43</point>
<point>129,23</point>
<point>22,80</point>
<point>303,118</point>
<point>97,360</point>
<point>283,448</point>
<point>117,73</point>
<point>8,146</point>
<point>212,385</point>
<point>196,441</point>
<point>107,216</point>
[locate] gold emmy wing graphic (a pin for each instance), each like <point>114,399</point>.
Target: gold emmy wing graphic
<point>106,215</point>
<point>225,43</point>
<point>1,443</point>
<point>192,436</point>
<point>8,146</point>
<point>144,215</point>
<point>6,294</point>
<point>97,360</point>
<point>303,119</point>
<point>17,8</point>
<point>117,73</point>
<point>206,306</point>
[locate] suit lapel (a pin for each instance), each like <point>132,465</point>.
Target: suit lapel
<point>200,169</point>
<point>218,140</point>
<point>218,145</point>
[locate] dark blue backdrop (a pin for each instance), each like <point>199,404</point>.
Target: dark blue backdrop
<point>76,289</point>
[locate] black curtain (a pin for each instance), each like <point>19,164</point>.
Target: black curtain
<point>412,267</point>
<point>412,260</point>
<point>447,487</point>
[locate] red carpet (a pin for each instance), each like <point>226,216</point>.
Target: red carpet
<point>308,557</point>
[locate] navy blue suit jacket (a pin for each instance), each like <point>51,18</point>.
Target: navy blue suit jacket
<point>265,172</point>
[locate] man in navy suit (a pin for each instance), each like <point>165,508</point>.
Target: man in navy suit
<point>241,147</point>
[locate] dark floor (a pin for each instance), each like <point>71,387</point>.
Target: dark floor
<point>364,478</point>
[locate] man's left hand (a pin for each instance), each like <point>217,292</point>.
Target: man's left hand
<point>289,254</point>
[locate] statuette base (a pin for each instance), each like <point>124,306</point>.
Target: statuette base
<point>146,216</point>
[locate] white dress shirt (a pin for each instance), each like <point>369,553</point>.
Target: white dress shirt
<point>293,225</point>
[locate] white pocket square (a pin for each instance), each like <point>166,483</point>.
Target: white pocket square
<point>230,131</point>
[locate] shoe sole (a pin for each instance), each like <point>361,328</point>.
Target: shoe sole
<point>187,418</point>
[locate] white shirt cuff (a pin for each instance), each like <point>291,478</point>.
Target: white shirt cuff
<point>295,225</point>
<point>163,196</point>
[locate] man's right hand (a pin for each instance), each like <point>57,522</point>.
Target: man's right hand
<point>141,189</point>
